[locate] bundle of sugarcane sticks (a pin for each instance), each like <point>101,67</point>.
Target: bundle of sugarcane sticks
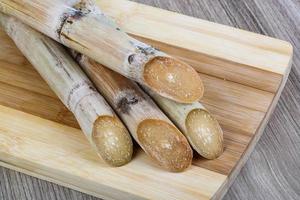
<point>115,85</point>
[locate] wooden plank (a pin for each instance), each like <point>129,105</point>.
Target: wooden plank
<point>36,104</point>
<point>62,153</point>
<point>172,28</point>
<point>246,154</point>
<point>256,52</point>
<point>241,92</point>
<point>222,68</point>
<point>9,52</point>
<point>26,78</point>
<point>226,91</point>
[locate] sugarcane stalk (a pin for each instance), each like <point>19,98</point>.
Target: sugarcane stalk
<point>107,135</point>
<point>201,129</point>
<point>81,25</point>
<point>149,126</point>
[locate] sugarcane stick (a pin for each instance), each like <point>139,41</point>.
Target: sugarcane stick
<point>149,126</point>
<point>103,129</point>
<point>199,126</point>
<point>80,25</point>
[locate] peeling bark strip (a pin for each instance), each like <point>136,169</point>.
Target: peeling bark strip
<point>79,10</point>
<point>98,121</point>
<point>147,123</point>
<point>63,20</point>
<point>80,25</point>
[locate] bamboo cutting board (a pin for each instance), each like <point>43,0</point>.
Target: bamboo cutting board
<point>244,74</point>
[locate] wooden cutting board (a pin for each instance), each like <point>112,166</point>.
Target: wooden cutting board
<point>244,74</point>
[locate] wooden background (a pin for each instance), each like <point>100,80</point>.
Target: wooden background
<point>273,170</point>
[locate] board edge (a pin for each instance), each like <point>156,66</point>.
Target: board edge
<point>259,132</point>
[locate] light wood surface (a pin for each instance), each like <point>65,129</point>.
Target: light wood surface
<point>232,124</point>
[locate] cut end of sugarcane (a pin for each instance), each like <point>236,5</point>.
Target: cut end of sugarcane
<point>165,144</point>
<point>112,141</point>
<point>204,133</point>
<point>173,79</point>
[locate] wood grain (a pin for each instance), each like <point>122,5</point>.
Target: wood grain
<point>224,11</point>
<point>187,38</point>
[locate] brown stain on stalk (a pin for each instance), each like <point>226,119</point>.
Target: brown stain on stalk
<point>115,82</point>
<point>125,103</point>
